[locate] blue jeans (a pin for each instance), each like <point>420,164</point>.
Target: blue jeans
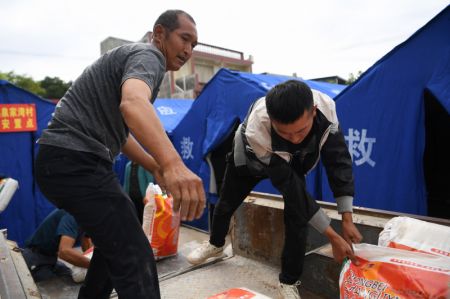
<point>43,267</point>
<point>85,185</point>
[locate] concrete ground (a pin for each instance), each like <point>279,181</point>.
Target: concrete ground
<point>188,234</point>
<point>214,277</point>
<point>189,238</point>
<point>180,280</point>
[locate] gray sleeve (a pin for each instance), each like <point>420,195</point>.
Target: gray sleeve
<point>320,221</point>
<point>344,204</point>
<point>144,65</point>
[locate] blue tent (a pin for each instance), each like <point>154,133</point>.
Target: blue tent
<point>383,115</point>
<point>28,207</point>
<point>170,112</point>
<point>222,104</point>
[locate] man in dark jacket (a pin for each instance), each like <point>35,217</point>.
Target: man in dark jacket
<point>282,138</point>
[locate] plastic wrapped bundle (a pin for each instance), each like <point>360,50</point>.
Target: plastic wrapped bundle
<point>8,187</point>
<point>416,235</point>
<point>79,273</point>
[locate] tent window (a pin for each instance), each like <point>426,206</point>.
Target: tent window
<point>436,157</point>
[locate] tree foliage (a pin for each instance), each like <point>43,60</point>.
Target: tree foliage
<point>352,78</point>
<point>23,81</point>
<point>55,87</point>
<point>49,88</point>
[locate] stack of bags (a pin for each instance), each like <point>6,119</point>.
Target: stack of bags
<point>412,260</point>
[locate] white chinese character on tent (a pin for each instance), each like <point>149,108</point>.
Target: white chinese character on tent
<point>165,110</point>
<point>360,147</point>
<point>186,148</point>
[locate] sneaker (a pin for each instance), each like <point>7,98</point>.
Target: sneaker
<point>204,252</point>
<point>289,291</point>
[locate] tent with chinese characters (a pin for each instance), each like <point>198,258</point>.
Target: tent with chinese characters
<point>18,147</point>
<point>23,115</point>
<point>397,125</point>
<point>204,135</point>
<point>170,112</point>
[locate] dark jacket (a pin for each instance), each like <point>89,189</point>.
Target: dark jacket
<point>256,144</point>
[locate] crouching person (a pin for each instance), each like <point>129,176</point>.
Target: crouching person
<point>282,138</point>
<point>56,238</point>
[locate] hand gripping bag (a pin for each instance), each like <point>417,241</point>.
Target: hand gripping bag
<point>388,273</point>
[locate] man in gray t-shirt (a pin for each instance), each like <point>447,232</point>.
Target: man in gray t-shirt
<point>88,118</point>
<point>108,110</point>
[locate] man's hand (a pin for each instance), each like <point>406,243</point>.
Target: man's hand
<point>341,249</point>
<point>186,189</point>
<point>349,231</point>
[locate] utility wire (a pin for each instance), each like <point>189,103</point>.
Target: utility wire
<point>49,55</point>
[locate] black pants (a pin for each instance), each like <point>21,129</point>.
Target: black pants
<point>86,186</point>
<point>299,207</point>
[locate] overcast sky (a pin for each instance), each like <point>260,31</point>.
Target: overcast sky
<point>314,38</point>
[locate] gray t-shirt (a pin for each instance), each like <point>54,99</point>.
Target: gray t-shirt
<point>88,117</point>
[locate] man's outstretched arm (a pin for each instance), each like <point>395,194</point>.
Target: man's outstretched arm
<point>71,255</point>
<point>139,115</point>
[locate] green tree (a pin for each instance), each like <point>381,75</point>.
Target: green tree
<point>54,87</point>
<point>23,81</point>
<point>49,88</point>
<point>352,78</point>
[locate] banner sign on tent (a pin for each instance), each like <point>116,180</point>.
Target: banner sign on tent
<point>17,117</point>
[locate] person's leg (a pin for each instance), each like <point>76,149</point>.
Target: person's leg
<point>129,259</point>
<point>60,269</point>
<point>85,186</point>
<point>294,248</point>
<point>97,283</point>
<point>299,207</point>
<point>40,266</point>
<point>235,188</point>
<point>43,272</point>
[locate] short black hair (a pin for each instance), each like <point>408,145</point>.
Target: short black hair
<point>287,101</point>
<point>169,19</point>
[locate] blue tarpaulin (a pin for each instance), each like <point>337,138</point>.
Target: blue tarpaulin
<point>170,113</point>
<point>382,116</point>
<point>28,207</point>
